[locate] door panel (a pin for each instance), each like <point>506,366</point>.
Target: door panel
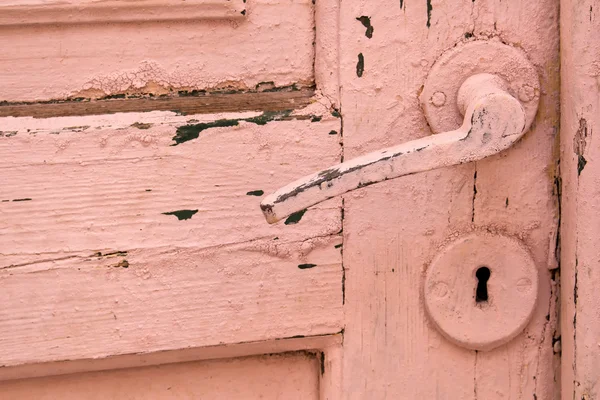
<point>271,44</point>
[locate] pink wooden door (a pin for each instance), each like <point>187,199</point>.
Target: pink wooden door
<point>137,141</point>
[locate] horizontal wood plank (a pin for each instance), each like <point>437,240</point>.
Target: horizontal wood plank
<point>198,104</point>
<point>117,239</point>
<point>98,188</point>
<point>166,299</point>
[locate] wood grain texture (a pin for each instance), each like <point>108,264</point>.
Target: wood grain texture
<point>132,244</point>
<point>28,12</point>
<point>580,167</point>
<point>272,44</point>
<point>210,103</point>
<point>394,229</point>
<point>293,376</point>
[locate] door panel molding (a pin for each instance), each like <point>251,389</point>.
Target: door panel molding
<point>28,12</point>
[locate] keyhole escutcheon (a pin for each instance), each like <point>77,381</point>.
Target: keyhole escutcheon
<point>481,292</point>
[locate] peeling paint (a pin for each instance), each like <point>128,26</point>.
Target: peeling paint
<point>192,131</point>
<point>580,142</point>
<point>366,21</point>
<point>429,9</point>
<point>141,125</point>
<point>182,214</point>
<point>360,65</point>
<point>295,217</point>
<point>475,196</point>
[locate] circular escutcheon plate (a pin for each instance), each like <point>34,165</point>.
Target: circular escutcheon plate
<point>476,309</point>
<point>439,94</point>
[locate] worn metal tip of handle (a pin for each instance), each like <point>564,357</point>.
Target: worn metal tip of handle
<point>269,213</point>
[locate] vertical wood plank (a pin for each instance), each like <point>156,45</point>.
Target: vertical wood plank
<point>394,229</point>
<point>580,167</point>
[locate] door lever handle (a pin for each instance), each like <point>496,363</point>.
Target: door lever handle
<point>493,121</point>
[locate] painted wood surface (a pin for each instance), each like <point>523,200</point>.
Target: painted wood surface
<point>272,43</point>
<point>394,229</point>
<point>293,376</point>
<point>580,277</point>
<point>142,233</point>
<point>81,188</point>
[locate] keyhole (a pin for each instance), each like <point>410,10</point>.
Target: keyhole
<point>483,275</point>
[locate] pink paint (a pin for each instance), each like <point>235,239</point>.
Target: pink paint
<point>100,273</point>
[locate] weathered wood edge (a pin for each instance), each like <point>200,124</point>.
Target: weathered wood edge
<point>181,104</point>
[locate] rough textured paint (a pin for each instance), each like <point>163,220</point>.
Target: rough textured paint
<point>580,223</point>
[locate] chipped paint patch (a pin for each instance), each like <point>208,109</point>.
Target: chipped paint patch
<point>295,217</point>
<point>192,131</point>
<point>360,65</point>
<point>366,21</point>
<point>429,9</point>
<point>580,141</point>
<point>182,214</point>
<point>141,125</point>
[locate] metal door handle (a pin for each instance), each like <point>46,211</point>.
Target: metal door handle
<point>493,121</point>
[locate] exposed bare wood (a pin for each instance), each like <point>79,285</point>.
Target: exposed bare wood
<point>198,104</point>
